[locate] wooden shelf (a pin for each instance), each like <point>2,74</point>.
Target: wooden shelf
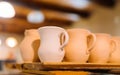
<point>65,66</point>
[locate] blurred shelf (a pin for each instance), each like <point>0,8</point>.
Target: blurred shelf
<point>51,17</point>
<point>78,6</point>
<point>41,68</point>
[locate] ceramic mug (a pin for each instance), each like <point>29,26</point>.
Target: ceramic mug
<point>115,56</point>
<point>102,49</point>
<point>80,42</point>
<point>51,50</point>
<point>29,46</point>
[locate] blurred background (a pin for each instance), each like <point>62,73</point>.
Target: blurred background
<point>16,16</point>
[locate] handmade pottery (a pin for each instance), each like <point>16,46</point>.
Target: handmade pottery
<point>51,49</point>
<point>80,42</point>
<point>29,46</point>
<point>102,49</point>
<point>115,56</point>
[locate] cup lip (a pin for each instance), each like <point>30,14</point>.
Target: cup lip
<point>30,30</point>
<point>116,37</point>
<point>77,29</point>
<point>33,31</point>
<point>50,27</point>
<point>103,34</point>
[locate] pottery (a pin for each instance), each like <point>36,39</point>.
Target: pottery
<point>102,49</point>
<point>80,42</point>
<point>29,46</point>
<point>51,49</point>
<point>115,56</point>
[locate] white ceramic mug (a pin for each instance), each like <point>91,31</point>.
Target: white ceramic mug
<point>50,49</point>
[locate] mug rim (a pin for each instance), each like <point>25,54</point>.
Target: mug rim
<point>79,29</point>
<point>50,27</point>
<point>102,34</point>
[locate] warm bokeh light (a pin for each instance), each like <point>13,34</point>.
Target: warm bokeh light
<point>35,17</point>
<point>11,41</point>
<point>6,10</point>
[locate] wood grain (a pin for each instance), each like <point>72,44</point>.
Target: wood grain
<point>66,66</point>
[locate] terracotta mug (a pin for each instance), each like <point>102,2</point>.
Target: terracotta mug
<point>115,56</point>
<point>80,42</point>
<point>51,49</point>
<point>102,49</point>
<point>29,46</point>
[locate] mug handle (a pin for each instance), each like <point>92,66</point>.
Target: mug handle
<point>65,34</point>
<point>114,44</point>
<point>91,39</point>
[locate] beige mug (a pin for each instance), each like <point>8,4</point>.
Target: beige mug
<point>80,42</point>
<point>29,46</point>
<point>102,49</point>
<point>115,56</point>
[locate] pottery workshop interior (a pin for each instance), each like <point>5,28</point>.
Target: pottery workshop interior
<point>59,37</point>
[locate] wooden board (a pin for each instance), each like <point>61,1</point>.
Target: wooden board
<point>66,66</point>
